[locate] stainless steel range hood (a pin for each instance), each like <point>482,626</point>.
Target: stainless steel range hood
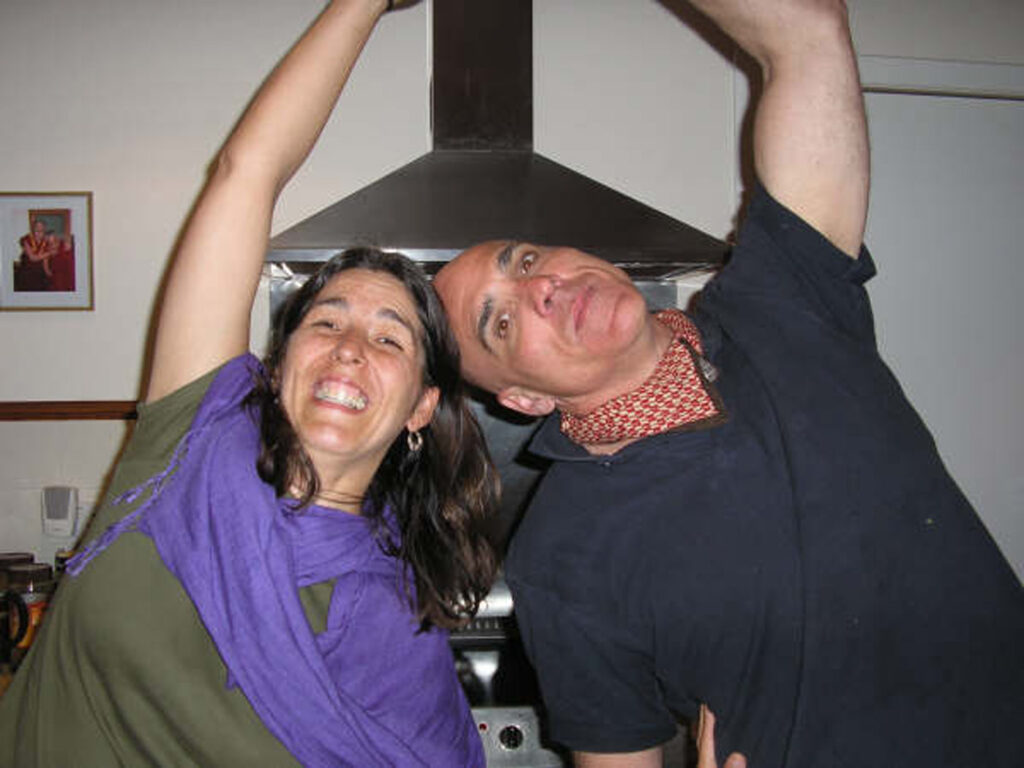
<point>482,180</point>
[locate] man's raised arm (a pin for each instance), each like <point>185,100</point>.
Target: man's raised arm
<point>810,136</point>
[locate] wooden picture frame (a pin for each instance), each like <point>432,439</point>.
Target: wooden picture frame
<point>46,251</point>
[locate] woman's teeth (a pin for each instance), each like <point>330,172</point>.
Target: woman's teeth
<point>341,395</point>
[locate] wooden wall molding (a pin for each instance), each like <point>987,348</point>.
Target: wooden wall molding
<point>68,410</point>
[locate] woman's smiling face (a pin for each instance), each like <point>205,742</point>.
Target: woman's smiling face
<point>352,376</point>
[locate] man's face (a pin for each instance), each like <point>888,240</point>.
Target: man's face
<point>544,327</point>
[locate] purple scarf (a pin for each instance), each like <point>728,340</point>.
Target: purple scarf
<point>241,555</point>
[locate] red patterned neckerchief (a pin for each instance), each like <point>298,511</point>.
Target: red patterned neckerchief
<point>677,395</point>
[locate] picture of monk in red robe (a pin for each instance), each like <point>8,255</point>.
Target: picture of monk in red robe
<point>47,261</point>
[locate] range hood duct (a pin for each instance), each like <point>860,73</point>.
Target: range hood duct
<point>483,181</point>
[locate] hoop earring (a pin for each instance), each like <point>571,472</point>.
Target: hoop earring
<point>414,440</point>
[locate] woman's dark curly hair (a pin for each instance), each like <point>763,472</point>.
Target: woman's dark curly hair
<point>444,496</point>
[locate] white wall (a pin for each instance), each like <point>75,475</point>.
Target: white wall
<point>961,30</point>
<point>629,95</point>
<point>946,230</point>
<point>130,99</point>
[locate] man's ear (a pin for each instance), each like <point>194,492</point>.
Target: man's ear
<point>525,401</point>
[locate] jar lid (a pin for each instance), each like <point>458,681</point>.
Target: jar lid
<point>29,574</point>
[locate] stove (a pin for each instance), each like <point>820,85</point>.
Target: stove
<point>502,687</point>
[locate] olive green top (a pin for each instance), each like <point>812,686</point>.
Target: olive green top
<point>123,672</point>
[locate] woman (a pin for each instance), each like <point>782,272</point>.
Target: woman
<point>268,591</point>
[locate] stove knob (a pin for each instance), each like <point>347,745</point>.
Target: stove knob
<point>511,737</point>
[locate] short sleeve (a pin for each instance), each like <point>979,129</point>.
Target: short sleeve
<point>600,691</point>
<point>159,429</point>
<point>782,270</point>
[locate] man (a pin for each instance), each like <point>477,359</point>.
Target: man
<point>743,511</point>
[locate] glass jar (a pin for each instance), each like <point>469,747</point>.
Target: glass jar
<point>60,562</point>
<point>34,583</point>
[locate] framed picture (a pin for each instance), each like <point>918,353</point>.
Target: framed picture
<point>45,250</point>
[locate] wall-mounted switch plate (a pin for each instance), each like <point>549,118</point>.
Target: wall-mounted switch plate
<point>59,510</point>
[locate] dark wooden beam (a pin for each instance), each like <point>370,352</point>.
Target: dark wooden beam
<point>68,410</point>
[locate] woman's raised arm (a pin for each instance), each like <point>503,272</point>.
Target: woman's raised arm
<point>203,319</point>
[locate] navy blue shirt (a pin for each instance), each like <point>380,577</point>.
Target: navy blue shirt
<point>808,569</point>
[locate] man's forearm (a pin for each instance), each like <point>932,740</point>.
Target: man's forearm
<point>810,135</point>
